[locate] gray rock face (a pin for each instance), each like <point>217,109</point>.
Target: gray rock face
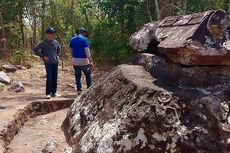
<point>195,39</point>
<point>4,78</point>
<point>51,147</point>
<point>128,111</point>
<point>185,77</point>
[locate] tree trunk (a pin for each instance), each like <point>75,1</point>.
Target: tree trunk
<point>148,9</point>
<point>43,19</point>
<point>73,16</point>
<point>34,25</point>
<point>22,28</point>
<point>157,9</point>
<point>3,40</point>
<point>53,12</point>
<point>185,6</point>
<point>226,6</point>
<point>165,8</point>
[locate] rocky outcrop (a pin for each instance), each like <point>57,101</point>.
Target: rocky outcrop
<point>129,111</point>
<point>198,77</point>
<point>196,39</point>
<point>177,101</point>
<point>4,78</point>
<point>9,68</point>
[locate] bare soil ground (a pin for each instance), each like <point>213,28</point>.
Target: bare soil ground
<point>34,82</point>
<point>38,131</point>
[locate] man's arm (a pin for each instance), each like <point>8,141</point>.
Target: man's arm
<point>70,46</point>
<point>87,50</point>
<point>88,54</point>
<point>59,50</point>
<point>38,49</point>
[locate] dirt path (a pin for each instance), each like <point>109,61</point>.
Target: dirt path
<point>34,135</point>
<point>39,131</point>
<point>34,82</point>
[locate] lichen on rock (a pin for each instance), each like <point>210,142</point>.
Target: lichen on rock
<point>133,113</point>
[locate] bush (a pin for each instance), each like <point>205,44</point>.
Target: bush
<point>110,46</point>
<point>21,57</point>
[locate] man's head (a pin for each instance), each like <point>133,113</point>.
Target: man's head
<point>82,31</point>
<point>50,33</point>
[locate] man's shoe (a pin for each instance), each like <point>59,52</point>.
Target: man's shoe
<point>79,92</point>
<point>55,95</point>
<point>48,96</point>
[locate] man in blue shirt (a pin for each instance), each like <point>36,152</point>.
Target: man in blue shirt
<point>49,50</point>
<point>81,58</point>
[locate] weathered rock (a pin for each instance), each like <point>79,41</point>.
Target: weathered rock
<point>9,68</point>
<point>4,78</point>
<point>2,86</point>
<point>68,150</point>
<point>175,75</point>
<point>18,87</point>
<point>196,39</point>
<point>128,111</point>
<point>141,39</point>
<point>51,147</point>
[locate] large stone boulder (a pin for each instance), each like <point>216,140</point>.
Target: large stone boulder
<point>4,78</point>
<point>129,111</point>
<point>197,77</point>
<point>196,39</point>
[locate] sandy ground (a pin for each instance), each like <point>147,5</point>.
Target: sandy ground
<point>34,82</point>
<point>40,131</point>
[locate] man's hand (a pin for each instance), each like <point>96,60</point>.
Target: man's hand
<point>91,66</point>
<point>46,58</point>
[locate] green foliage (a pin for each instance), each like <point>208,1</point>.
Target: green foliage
<point>109,22</point>
<point>110,37</point>
<point>109,46</point>
<point>204,5</point>
<point>11,8</point>
<point>20,57</point>
<point>2,87</point>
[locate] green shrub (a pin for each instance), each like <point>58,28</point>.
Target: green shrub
<point>2,87</point>
<point>109,45</point>
<point>21,57</point>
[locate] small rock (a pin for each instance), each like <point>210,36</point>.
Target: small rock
<point>68,150</point>
<point>228,141</point>
<point>50,147</point>
<point>19,87</point>
<point>9,68</point>
<point>4,78</point>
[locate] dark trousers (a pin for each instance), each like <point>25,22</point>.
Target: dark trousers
<point>87,73</point>
<point>51,78</point>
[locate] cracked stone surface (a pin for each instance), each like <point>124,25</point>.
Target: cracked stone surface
<point>196,39</point>
<point>130,111</point>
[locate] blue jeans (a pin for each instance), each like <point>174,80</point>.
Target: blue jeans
<point>51,78</point>
<point>87,73</point>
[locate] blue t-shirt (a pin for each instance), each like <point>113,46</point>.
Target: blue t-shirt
<point>78,45</point>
